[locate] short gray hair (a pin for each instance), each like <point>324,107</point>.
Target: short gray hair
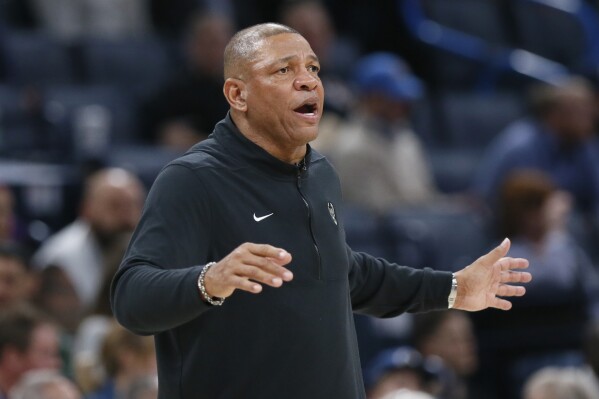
<point>244,44</point>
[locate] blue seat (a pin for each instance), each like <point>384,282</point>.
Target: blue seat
<point>472,120</point>
<point>32,58</point>
<point>142,160</point>
<point>448,237</point>
<point>137,66</point>
<point>454,168</point>
<point>20,133</point>
<point>87,120</point>
<point>363,231</point>
<point>565,32</point>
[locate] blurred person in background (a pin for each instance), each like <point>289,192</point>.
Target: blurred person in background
<point>402,368</point>
<point>556,138</point>
<point>591,351</point>
<point>563,296</point>
<point>45,384</point>
<point>7,215</point>
<point>560,383</point>
<point>450,336</point>
<point>16,281</point>
<point>381,161</point>
<point>72,262</point>
<point>127,359</point>
<point>186,109</point>
<point>28,341</point>
<point>408,394</point>
<point>336,54</point>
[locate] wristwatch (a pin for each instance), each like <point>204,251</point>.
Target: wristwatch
<point>453,293</point>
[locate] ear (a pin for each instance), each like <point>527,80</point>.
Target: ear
<point>235,91</point>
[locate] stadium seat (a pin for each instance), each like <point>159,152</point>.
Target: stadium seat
<point>137,66</point>
<point>565,32</point>
<point>33,58</point>
<point>472,120</point>
<point>88,120</point>
<point>445,237</point>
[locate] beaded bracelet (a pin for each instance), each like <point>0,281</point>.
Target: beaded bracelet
<point>214,301</point>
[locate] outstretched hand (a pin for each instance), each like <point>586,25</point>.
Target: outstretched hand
<point>484,283</point>
<point>247,268</point>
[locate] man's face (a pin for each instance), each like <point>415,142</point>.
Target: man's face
<point>43,352</point>
<point>14,281</point>
<point>284,93</point>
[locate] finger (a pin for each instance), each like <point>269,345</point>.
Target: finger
<point>258,275</point>
<point>511,290</point>
<point>502,304</point>
<point>513,263</point>
<point>269,266</point>
<point>515,277</point>
<point>279,255</point>
<point>498,252</point>
<point>244,284</point>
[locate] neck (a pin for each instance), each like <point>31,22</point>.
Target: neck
<point>292,154</point>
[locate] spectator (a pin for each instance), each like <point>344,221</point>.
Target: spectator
<point>407,394</point>
<point>402,368</point>
<point>73,261</point>
<point>16,282</point>
<point>6,215</point>
<point>45,384</point>
<point>555,383</point>
<point>187,108</point>
<point>563,295</point>
<point>336,54</point>
<point>378,156</point>
<point>591,352</point>
<point>126,358</point>
<point>450,336</point>
<point>556,139</point>
<point>28,341</point>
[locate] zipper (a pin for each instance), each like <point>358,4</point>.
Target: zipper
<point>301,167</point>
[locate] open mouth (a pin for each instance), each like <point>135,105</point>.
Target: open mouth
<point>307,109</point>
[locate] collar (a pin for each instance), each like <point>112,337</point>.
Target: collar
<point>246,151</point>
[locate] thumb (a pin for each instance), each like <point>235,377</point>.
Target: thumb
<point>499,251</point>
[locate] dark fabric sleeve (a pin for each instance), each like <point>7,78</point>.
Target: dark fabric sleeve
<point>155,288</point>
<point>383,289</point>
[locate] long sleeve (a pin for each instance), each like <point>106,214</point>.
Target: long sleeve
<point>155,289</point>
<point>383,289</point>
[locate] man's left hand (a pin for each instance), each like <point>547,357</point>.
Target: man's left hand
<point>485,282</point>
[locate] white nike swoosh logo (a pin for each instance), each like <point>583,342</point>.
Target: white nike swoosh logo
<point>257,219</point>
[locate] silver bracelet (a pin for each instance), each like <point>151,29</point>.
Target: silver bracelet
<point>212,300</point>
<point>453,293</point>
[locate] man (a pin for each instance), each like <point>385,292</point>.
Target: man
<point>16,282</point>
<point>74,259</point>
<point>558,139</point>
<point>27,341</point>
<point>45,384</point>
<point>252,217</point>
<point>377,149</point>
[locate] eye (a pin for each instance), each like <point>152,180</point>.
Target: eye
<point>283,70</point>
<point>313,68</point>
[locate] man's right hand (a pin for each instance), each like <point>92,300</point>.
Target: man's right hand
<point>246,268</point>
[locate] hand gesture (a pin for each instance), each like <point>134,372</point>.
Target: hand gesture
<point>482,284</point>
<point>246,268</point>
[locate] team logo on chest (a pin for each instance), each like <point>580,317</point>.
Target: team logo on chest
<point>332,212</point>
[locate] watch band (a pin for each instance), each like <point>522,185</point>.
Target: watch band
<point>453,293</point>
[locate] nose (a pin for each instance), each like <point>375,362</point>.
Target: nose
<point>305,81</point>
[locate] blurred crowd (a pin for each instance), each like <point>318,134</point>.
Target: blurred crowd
<point>452,124</point>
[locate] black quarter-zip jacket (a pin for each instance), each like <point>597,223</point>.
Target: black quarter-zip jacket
<point>295,341</point>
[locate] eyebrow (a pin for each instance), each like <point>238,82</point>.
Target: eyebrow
<point>312,57</point>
